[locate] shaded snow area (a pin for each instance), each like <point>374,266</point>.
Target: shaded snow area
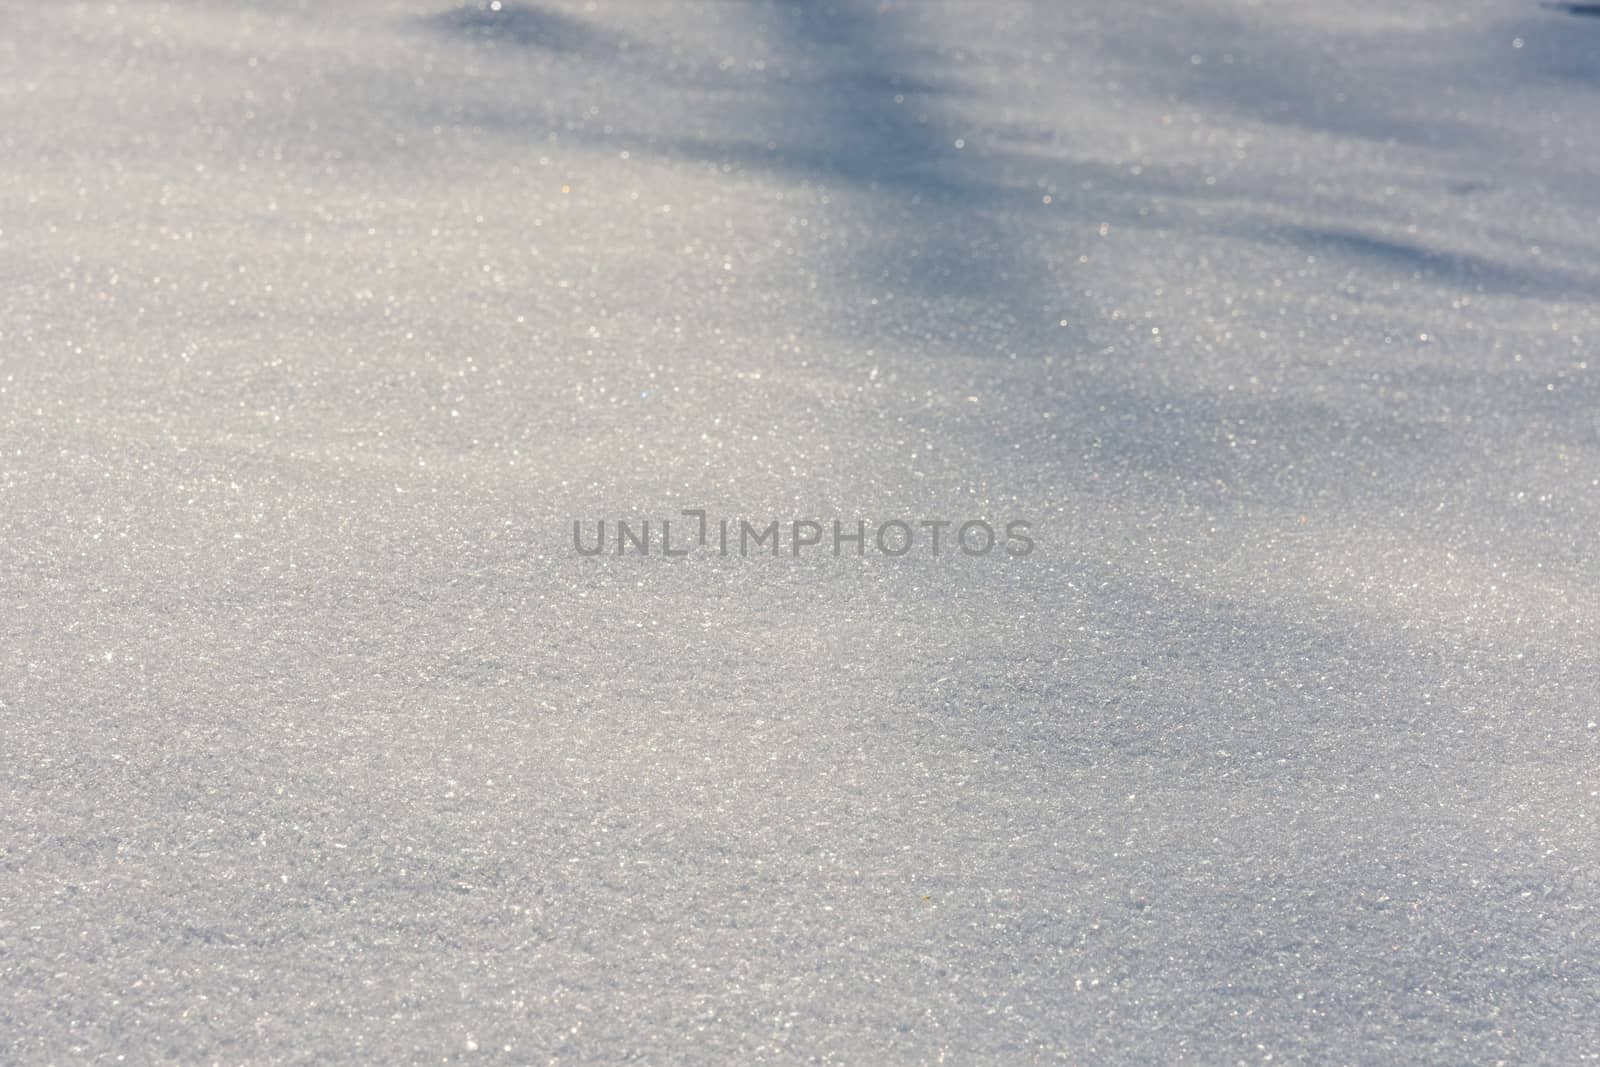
<point>1275,324</point>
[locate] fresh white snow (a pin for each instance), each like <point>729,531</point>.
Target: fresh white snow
<point>320,325</point>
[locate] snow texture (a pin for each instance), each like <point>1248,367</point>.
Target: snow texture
<point>321,323</point>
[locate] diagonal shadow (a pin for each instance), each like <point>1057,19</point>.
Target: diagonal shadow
<point>1444,268</point>
<point>857,100</point>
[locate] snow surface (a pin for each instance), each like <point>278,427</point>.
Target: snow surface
<point>321,323</point>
